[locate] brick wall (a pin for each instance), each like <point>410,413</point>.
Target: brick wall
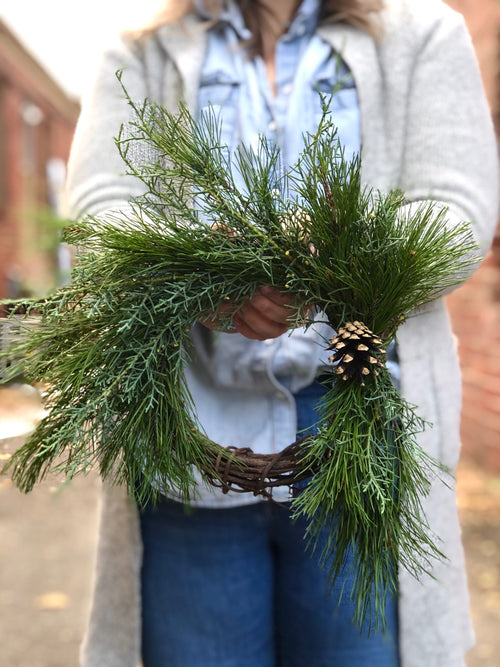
<point>37,121</point>
<point>475,307</point>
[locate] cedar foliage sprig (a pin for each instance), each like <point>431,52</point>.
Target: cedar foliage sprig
<point>112,345</point>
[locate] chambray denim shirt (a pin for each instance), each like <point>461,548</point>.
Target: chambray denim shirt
<point>238,89</point>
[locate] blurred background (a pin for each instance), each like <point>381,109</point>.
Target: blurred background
<point>48,53</point>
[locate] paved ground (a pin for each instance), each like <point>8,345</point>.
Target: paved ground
<point>47,541</point>
<point>479,503</point>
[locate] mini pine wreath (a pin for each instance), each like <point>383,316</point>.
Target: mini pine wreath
<point>111,347</point>
<point>356,351</point>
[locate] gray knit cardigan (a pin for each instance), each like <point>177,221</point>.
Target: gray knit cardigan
<point>426,129</point>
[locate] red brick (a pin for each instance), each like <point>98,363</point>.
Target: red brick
<point>22,194</point>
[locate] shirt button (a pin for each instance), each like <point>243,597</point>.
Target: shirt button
<point>301,28</point>
<point>273,126</point>
<point>280,395</point>
<point>287,89</point>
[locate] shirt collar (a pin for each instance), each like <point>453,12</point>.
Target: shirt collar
<point>304,21</point>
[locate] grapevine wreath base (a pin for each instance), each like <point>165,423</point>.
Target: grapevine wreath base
<point>242,470</point>
<point>112,345</point>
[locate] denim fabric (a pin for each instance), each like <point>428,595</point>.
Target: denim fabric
<point>238,91</point>
<point>236,588</point>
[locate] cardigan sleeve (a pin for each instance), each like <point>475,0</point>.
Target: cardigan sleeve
<point>450,151</point>
<point>96,172</point>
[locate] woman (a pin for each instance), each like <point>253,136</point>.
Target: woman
<point>227,583</point>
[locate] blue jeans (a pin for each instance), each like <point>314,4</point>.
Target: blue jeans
<point>236,588</point>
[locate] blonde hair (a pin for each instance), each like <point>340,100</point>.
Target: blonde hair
<point>358,13</point>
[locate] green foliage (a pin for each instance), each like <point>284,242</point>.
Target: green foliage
<point>112,345</point>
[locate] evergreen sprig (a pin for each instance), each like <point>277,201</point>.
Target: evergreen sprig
<point>210,229</point>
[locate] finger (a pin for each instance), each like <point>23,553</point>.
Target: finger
<point>253,324</point>
<point>277,296</point>
<point>276,310</point>
<point>295,309</point>
<point>244,329</point>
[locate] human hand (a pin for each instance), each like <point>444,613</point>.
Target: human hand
<point>267,314</point>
